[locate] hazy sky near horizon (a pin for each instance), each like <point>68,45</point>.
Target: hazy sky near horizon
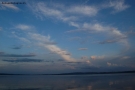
<point>56,36</point>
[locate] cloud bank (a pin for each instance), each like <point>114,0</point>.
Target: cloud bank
<point>45,42</point>
<point>23,60</point>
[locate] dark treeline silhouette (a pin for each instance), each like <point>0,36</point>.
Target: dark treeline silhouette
<point>84,73</point>
<point>75,73</point>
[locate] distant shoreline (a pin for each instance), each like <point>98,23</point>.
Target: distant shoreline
<point>75,73</point>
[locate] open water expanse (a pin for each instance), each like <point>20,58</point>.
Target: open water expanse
<point>68,82</point>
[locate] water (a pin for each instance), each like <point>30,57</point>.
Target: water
<point>68,82</point>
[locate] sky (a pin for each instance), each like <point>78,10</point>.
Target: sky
<point>61,36</point>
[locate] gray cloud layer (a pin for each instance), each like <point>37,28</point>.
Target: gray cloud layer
<point>23,60</point>
<point>2,54</point>
<point>17,47</point>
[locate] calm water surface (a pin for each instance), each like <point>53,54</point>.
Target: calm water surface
<point>68,82</point>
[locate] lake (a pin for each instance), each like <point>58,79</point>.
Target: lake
<point>68,82</point>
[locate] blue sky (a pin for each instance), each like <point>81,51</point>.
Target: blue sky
<point>67,36</point>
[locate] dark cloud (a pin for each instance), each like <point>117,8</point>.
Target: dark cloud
<point>50,43</point>
<point>2,54</point>
<point>83,49</point>
<point>17,47</point>
<point>49,61</point>
<point>23,60</point>
<point>108,41</point>
<point>74,62</point>
<point>67,54</point>
<point>60,60</point>
<point>112,40</point>
<point>84,57</point>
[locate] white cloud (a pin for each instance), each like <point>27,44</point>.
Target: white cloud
<point>67,14</point>
<point>96,27</point>
<point>38,37</point>
<point>59,51</point>
<point>10,6</point>
<point>85,59</point>
<point>93,57</point>
<point>23,27</point>
<point>88,61</point>
<point>43,10</point>
<point>125,57</point>
<point>111,64</point>
<point>74,24</point>
<point>44,42</point>
<point>118,5</point>
<point>24,39</point>
<point>72,14</point>
<point>84,10</point>
<point>97,57</point>
<point>112,32</point>
<point>21,38</point>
